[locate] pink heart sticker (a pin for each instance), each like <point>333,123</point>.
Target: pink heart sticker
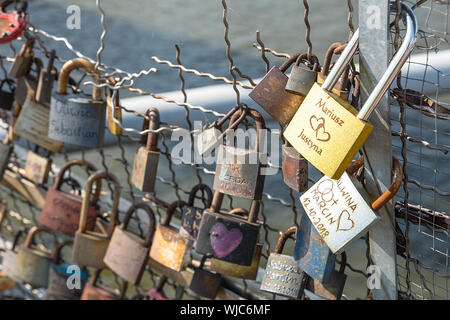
<point>224,241</point>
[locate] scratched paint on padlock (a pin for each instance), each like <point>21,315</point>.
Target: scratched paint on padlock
<point>326,132</point>
<point>337,211</point>
<point>169,248</point>
<point>282,276</point>
<point>32,125</point>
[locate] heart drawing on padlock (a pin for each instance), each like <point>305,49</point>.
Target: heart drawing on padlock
<point>318,125</point>
<point>345,225</point>
<point>224,241</point>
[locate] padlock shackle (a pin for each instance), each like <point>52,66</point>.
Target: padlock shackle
<point>355,165</point>
<point>239,212</point>
<point>259,124</point>
<point>313,60</point>
<point>161,283</point>
<point>29,240</point>
<point>394,66</point>
<point>171,210</point>
<point>71,65</point>
<point>291,231</point>
<point>51,60</point>
<point>203,260</point>
<point>153,124</point>
<point>56,254</point>
<point>393,189</point>
<point>85,204</point>
<point>82,163</point>
<point>329,55</point>
<point>197,188</point>
<point>292,59</point>
<point>19,234</point>
<point>39,65</point>
<point>76,185</point>
<point>151,219</point>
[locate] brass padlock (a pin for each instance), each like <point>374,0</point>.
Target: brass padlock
<point>45,81</point>
<point>95,291</point>
<point>238,169</point>
<point>60,272</point>
<point>271,95</point>
<point>236,270</point>
<point>229,237</point>
<point>294,168</point>
<point>6,148</point>
<point>127,253</point>
<point>192,216</point>
<point>90,246</point>
<point>22,61</point>
<point>301,79</point>
<point>327,130</point>
<point>205,283</point>
<point>37,168</point>
<point>169,248</point>
<point>333,288</point>
<point>7,96</point>
<point>114,108</point>
<point>74,119</point>
<point>341,88</point>
<point>282,275</point>
<point>146,159</point>
<point>9,257</point>
<point>61,211</point>
<point>33,264</point>
<point>26,85</point>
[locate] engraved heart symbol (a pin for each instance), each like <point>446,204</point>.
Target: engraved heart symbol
<point>224,241</point>
<point>318,125</point>
<point>345,223</point>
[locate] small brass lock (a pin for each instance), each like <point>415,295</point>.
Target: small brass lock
<point>22,61</point>
<point>37,168</point>
<point>146,159</point>
<point>45,81</point>
<point>301,79</point>
<point>127,253</point>
<point>205,283</point>
<point>90,246</point>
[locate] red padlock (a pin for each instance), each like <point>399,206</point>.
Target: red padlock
<point>12,24</point>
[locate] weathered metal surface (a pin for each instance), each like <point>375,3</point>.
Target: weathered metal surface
<point>295,169</point>
<point>144,169</point>
<point>302,78</point>
<point>5,154</point>
<point>205,283</point>
<point>37,168</point>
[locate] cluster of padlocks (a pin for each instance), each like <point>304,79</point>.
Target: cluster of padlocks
<point>320,128</point>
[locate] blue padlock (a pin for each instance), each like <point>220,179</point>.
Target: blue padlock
<point>311,253</point>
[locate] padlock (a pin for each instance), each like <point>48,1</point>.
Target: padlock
<point>127,253</point>
<point>22,61</point>
<point>205,283</point>
<point>210,138</point>
<point>10,256</point>
<point>95,291</point>
<point>37,168</point>
<point>229,237</point>
<point>341,88</point>
<point>7,96</point>
<point>73,119</point>
<point>45,81</point>
<point>33,264</point>
<point>271,95</point>
<point>236,270</point>
<point>238,169</point>
<point>282,276</point>
<point>157,293</point>
<point>311,253</point>
<point>339,212</point>
<point>113,108</point>
<point>301,79</point>
<point>59,287</point>
<point>192,216</point>
<point>169,248</point>
<point>6,149</point>
<point>146,158</point>
<point>14,23</point>
<point>61,211</point>
<point>89,246</point>
<point>26,85</point>
<point>327,130</point>
<point>333,288</point>
<point>294,168</point>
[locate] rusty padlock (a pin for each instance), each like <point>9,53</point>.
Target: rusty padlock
<point>22,61</point>
<point>33,264</point>
<point>229,237</point>
<point>146,158</point>
<point>74,119</point>
<point>169,248</point>
<point>7,96</point>
<point>10,256</point>
<point>59,287</point>
<point>26,85</point>
<point>205,283</point>
<point>271,95</point>
<point>236,270</point>
<point>294,168</point>
<point>282,275</point>
<point>61,210</point>
<point>95,291</point>
<point>333,288</point>
<point>114,110</point>
<point>6,148</point>
<point>238,170</point>
<point>157,293</point>
<point>127,253</point>
<point>45,81</point>
<point>37,167</point>
<point>301,79</point>
<point>90,246</point>
<point>192,216</point>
